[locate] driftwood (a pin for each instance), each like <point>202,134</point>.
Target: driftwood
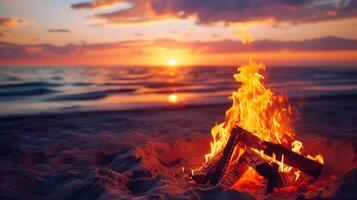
<point>291,158</point>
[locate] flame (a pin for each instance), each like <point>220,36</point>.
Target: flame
<point>296,146</point>
<point>317,158</point>
<point>257,109</point>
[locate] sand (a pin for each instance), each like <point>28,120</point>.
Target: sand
<point>146,154</point>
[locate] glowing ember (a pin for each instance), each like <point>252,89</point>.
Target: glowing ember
<point>256,109</point>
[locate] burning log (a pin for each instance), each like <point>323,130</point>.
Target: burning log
<point>262,167</point>
<point>291,158</point>
<point>213,170</point>
<point>233,174</point>
<point>202,176</point>
<point>275,178</point>
<point>284,180</point>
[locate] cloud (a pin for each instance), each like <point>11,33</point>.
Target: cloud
<point>59,30</point>
<point>9,22</point>
<point>318,44</point>
<point>95,4</point>
<point>11,51</point>
<point>2,35</point>
<point>226,11</point>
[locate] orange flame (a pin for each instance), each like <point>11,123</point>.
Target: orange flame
<point>256,109</point>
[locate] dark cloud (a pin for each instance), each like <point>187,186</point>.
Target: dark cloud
<point>59,30</point>
<point>212,11</point>
<point>295,2</point>
<point>94,4</point>
<point>8,22</point>
<point>19,51</point>
<point>10,51</point>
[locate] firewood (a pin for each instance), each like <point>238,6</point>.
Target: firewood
<point>202,176</point>
<point>233,174</point>
<point>262,167</point>
<point>284,179</point>
<point>213,171</point>
<point>269,171</point>
<point>308,166</point>
<point>224,160</point>
<point>291,158</point>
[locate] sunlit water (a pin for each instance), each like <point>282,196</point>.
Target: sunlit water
<point>68,89</point>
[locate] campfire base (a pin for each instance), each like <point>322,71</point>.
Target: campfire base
<point>214,172</point>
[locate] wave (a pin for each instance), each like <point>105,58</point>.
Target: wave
<point>32,92</point>
<point>329,97</point>
<point>28,85</point>
<point>91,95</point>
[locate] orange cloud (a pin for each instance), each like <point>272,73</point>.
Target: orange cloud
<point>9,22</point>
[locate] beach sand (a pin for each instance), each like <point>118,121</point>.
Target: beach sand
<point>146,154</point>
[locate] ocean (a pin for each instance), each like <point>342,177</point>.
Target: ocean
<point>29,90</point>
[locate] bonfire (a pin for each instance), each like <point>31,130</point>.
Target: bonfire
<point>257,134</point>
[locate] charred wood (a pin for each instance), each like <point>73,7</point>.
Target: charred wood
<point>291,158</point>
<point>284,180</point>
<point>202,176</point>
<point>233,174</point>
<point>262,167</point>
<point>212,171</point>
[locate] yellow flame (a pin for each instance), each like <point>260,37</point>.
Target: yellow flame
<point>297,175</point>
<point>317,158</point>
<point>296,146</point>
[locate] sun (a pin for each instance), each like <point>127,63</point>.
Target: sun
<point>172,62</point>
<point>172,98</point>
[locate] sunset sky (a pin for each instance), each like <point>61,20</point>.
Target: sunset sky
<point>193,32</point>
